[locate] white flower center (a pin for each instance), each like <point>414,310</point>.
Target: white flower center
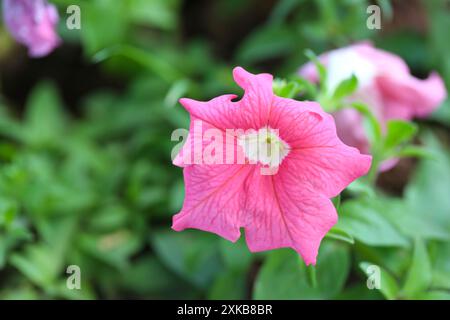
<point>264,146</point>
<point>343,63</point>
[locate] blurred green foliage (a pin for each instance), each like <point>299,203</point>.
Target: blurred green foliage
<point>98,191</point>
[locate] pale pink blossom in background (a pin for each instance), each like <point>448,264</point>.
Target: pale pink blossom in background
<point>290,208</point>
<point>32,23</point>
<point>385,85</point>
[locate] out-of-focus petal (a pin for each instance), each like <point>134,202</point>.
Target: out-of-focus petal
<point>32,23</point>
<point>409,97</point>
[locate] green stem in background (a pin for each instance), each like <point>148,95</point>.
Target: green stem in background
<point>326,103</point>
<point>375,134</point>
<point>374,168</point>
<point>320,69</point>
<point>312,276</point>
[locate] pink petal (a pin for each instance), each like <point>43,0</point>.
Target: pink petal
<point>258,96</point>
<point>32,23</point>
<point>350,129</point>
<point>329,169</point>
<point>198,144</point>
<point>390,91</point>
<point>283,213</point>
<point>406,96</point>
<point>317,158</point>
<point>218,112</point>
<point>384,61</point>
<point>294,119</point>
<point>252,111</point>
<point>214,199</point>
<point>288,209</point>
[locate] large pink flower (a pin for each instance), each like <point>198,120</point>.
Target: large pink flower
<point>32,23</point>
<point>385,85</point>
<point>287,205</point>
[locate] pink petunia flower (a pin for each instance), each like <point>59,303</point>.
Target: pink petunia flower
<point>385,85</point>
<point>287,205</point>
<point>32,23</point>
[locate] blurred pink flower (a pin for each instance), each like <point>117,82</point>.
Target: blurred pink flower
<point>286,206</point>
<point>32,23</point>
<point>385,85</point>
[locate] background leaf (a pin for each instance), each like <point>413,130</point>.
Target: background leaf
<point>419,275</point>
<point>284,275</point>
<point>362,220</point>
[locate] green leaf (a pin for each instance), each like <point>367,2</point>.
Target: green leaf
<point>163,284</point>
<point>345,88</point>
<point>360,187</point>
<point>16,233</point>
<point>375,132</point>
<point>305,86</point>
<point>416,152</point>
<point>386,9</point>
<point>192,255</point>
<point>312,276</point>
<point>419,275</point>
<point>112,249</point>
<point>388,285</point>
<point>236,255</point>
<point>282,10</point>
<point>25,292</point>
<point>337,202</point>
<point>99,33</point>
<point>9,127</point>
<point>37,264</point>
<point>433,295</point>
<point>440,257</point>
<point>285,89</point>
<point>230,284</point>
<point>398,132</point>
<point>320,68</point>
<point>150,61</point>
<point>176,196</point>
<point>109,218</point>
<point>333,267</point>
<point>265,43</point>
<point>362,220</point>
<point>402,216</point>
<point>427,192</point>
<point>8,211</point>
<point>284,275</point>
<point>176,91</point>
<point>44,118</point>
<point>157,13</point>
<point>441,279</point>
<point>359,291</point>
<point>338,234</point>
